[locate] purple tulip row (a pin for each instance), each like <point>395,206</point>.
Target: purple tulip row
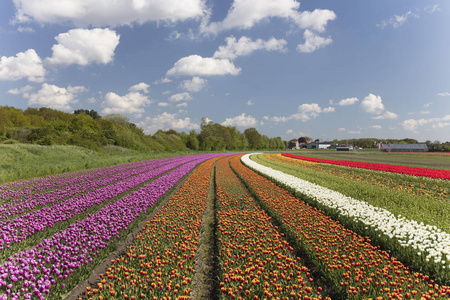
<point>33,272</point>
<point>20,228</point>
<point>104,178</point>
<point>36,186</point>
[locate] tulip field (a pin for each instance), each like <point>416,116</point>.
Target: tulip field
<point>282,226</point>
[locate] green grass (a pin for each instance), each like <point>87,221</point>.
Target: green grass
<point>25,161</point>
<point>414,207</point>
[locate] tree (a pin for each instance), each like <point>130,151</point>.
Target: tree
<point>253,137</point>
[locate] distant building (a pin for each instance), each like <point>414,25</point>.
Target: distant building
<point>293,144</point>
<point>403,147</point>
<point>317,145</point>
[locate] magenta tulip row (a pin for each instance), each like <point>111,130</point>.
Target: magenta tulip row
<point>34,272</point>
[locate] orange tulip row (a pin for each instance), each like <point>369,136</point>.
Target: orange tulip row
<point>256,262</point>
<point>358,269</point>
<point>160,263</point>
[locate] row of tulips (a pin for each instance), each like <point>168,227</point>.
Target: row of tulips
<point>422,245</point>
<point>256,262</point>
<point>426,172</point>
<point>349,261</point>
<point>91,182</point>
<point>160,263</point>
<point>58,263</point>
<point>431,188</point>
<point>26,225</point>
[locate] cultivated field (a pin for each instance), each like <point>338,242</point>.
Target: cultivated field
<point>229,226</point>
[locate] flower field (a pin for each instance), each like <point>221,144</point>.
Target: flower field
<point>274,235</point>
<point>426,172</point>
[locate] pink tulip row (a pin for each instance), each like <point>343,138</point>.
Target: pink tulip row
<point>29,203</point>
<point>20,228</point>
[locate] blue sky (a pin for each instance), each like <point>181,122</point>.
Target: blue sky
<point>323,69</point>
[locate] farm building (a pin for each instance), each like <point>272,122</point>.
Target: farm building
<point>316,145</point>
<point>404,147</point>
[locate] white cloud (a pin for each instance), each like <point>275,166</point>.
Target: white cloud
<point>139,87</point>
<point>131,103</point>
<point>92,100</point>
<point>195,65</point>
<point>196,84</point>
<point>432,9</point>
<point>163,80</point>
<point>24,65</point>
<point>244,14</point>
<point>429,104</point>
<point>241,120</point>
<point>23,90</point>
<point>354,131</point>
<point>167,121</point>
<point>25,29</point>
<point>246,46</point>
<point>376,127</point>
<point>84,47</point>
<point>412,124</point>
<point>372,104</point>
<point>55,97</point>
<point>107,13</point>
<point>180,97</point>
<point>289,131</point>
<point>446,94</point>
<point>397,21</point>
<point>163,104</point>
<point>184,104</point>
<point>307,112</point>
<point>425,112</point>
<point>342,129</point>
<point>386,115</point>
<point>250,103</point>
<point>313,42</point>
<point>348,101</point>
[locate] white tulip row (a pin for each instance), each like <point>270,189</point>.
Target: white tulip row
<point>427,241</point>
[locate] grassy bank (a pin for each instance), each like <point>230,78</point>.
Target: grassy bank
<point>25,161</point>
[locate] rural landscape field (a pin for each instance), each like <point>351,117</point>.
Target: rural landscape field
<point>231,226</point>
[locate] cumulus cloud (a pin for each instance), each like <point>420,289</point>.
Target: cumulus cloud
<point>354,131</point>
<point>140,87</point>
<point>23,90</point>
<point>386,115</point>
<point>372,104</point>
<point>107,13</point>
<point>376,127</point>
<point>84,47</point>
<point>196,84</point>
<point>131,103</point>
<point>313,42</point>
<point>348,101</point>
<point>180,97</point>
<point>397,20</point>
<point>241,120</point>
<point>436,123</point>
<point>55,97</point>
<point>246,46</point>
<point>250,103</point>
<point>24,65</point>
<point>163,104</point>
<point>306,112</point>
<point>244,14</point>
<point>446,94</point>
<point>289,131</point>
<point>184,104</point>
<point>195,65</point>
<point>412,124</point>
<point>167,121</point>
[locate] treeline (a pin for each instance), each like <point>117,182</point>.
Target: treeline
<point>86,128</point>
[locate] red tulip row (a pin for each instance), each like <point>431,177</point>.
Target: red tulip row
<point>256,262</point>
<point>358,269</point>
<point>425,172</point>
